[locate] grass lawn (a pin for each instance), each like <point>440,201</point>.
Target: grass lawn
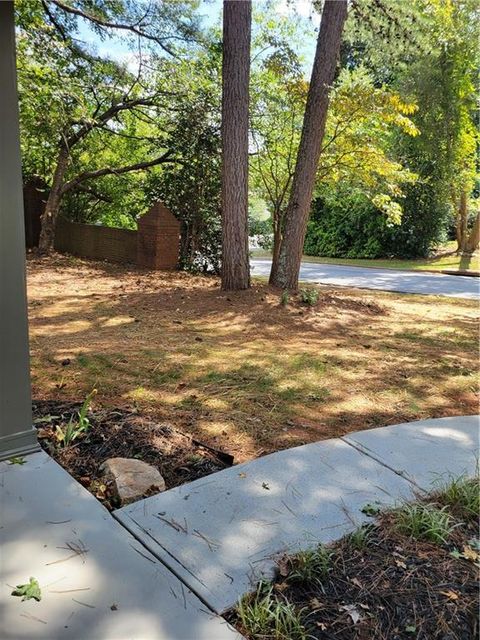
<point>445,260</point>
<point>239,370</point>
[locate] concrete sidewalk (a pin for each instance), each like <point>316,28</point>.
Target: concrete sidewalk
<point>197,548</point>
<point>223,533</point>
<point>97,581</point>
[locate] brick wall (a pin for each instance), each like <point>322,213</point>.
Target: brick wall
<point>155,245</point>
<point>95,242</point>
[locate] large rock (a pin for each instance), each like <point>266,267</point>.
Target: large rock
<point>132,479</point>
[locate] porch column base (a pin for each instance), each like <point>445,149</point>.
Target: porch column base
<point>18,444</point>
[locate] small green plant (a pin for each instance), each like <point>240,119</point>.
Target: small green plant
<point>263,616</point>
<point>309,296</point>
<point>28,591</point>
<point>76,426</point>
<point>359,538</point>
<point>311,566</point>
<point>424,522</point>
<point>285,298</point>
<point>461,495</point>
<point>17,460</point>
<point>370,509</point>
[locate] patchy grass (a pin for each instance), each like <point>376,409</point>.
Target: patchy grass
<point>265,616</point>
<point>424,522</point>
<point>445,259</point>
<point>311,566</point>
<point>240,370</point>
<point>385,583</point>
<point>462,496</point>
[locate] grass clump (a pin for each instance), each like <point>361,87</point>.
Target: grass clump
<point>358,540</point>
<point>263,616</point>
<point>424,522</point>
<point>462,497</point>
<point>311,566</point>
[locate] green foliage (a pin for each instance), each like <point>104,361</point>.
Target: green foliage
<point>285,298</point>
<point>76,426</point>
<point>191,187</point>
<point>262,615</point>
<point>309,296</point>
<point>29,591</point>
<point>359,538</point>
<point>312,566</point>
<point>424,522</point>
<point>66,85</point>
<point>461,495</point>
<point>346,224</point>
<point>370,509</point>
<point>20,460</point>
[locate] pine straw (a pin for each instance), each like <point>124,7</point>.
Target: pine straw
<point>124,434</point>
<point>401,589</point>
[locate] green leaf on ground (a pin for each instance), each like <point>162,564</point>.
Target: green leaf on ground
<point>28,591</point>
<point>370,509</point>
<point>17,460</point>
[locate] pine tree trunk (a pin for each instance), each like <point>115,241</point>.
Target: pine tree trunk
<point>235,100</point>
<point>296,216</point>
<point>461,226</point>
<point>50,215</point>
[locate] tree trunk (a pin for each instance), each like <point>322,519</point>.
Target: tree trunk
<point>235,99</point>
<point>296,215</point>
<point>473,239</point>
<point>277,243</point>
<point>49,217</point>
<point>461,226</point>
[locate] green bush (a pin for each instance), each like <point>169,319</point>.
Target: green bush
<point>347,226</point>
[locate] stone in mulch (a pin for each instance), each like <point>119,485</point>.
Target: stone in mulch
<point>132,479</point>
<point>123,433</point>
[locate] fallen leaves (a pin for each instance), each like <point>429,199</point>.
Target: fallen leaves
<point>451,595</point>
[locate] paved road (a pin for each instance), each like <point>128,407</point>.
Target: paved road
<point>383,279</point>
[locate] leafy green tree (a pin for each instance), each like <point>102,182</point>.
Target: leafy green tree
<point>81,104</point>
<point>191,187</point>
<point>428,51</point>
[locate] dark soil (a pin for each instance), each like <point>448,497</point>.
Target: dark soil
<point>396,588</point>
<point>123,434</point>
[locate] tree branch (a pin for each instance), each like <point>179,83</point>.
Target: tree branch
<point>88,175</point>
<point>107,115</point>
<point>111,25</point>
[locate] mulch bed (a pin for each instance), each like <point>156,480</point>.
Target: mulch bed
<point>397,588</point>
<point>123,434</point>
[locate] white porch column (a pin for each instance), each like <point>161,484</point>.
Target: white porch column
<point>17,435</point>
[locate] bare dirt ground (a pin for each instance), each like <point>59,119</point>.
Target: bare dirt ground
<point>239,370</point>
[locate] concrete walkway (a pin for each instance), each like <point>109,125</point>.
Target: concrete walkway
<point>197,548</point>
<point>221,534</point>
<point>97,581</point>
<point>381,279</point>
